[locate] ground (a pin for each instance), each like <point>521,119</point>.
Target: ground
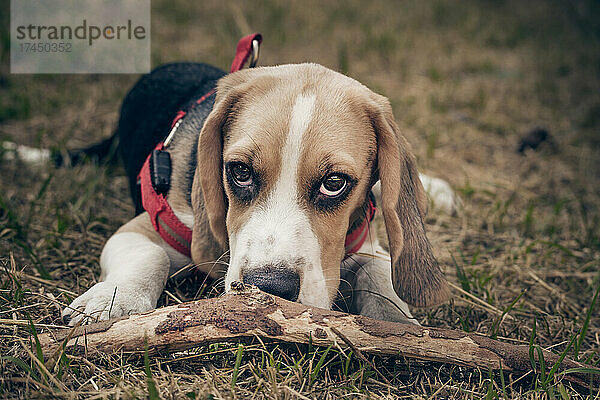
<point>467,80</point>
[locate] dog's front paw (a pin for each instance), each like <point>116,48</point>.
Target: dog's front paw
<point>107,300</point>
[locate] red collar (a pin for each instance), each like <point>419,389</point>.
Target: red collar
<point>175,232</point>
<point>164,220</point>
<point>356,237</point>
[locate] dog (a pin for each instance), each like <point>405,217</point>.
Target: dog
<point>272,170</point>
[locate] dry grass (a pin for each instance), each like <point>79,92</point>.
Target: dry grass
<point>466,80</point>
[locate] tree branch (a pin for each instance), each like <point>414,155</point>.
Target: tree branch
<point>250,312</point>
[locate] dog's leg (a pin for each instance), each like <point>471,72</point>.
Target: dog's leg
<point>135,267</point>
<point>372,293</point>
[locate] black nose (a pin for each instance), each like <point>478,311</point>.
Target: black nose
<point>281,282</point>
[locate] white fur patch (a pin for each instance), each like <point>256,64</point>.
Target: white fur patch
<point>280,231</point>
<point>441,194</point>
<point>186,217</point>
<point>130,257</point>
<point>27,154</point>
<point>290,158</point>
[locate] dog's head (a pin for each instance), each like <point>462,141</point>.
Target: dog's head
<point>285,163</point>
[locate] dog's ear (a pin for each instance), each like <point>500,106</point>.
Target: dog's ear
<point>416,275</point>
<point>209,203</point>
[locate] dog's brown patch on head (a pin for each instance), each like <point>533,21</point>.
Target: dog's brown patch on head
<point>256,137</point>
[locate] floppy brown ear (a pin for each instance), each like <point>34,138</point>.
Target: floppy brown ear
<point>416,275</point>
<point>209,203</point>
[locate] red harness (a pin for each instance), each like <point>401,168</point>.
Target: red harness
<point>175,232</point>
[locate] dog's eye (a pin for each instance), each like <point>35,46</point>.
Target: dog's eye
<point>333,185</point>
<point>241,174</point>
<point>243,181</point>
<point>330,192</point>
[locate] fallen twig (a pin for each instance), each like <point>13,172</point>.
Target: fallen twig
<point>251,313</point>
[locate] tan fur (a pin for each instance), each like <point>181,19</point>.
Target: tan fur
<point>416,275</point>
<point>141,224</point>
<point>208,249</point>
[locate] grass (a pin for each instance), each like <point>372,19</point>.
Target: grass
<point>466,79</point>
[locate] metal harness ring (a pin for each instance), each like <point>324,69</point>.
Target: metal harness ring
<point>255,54</point>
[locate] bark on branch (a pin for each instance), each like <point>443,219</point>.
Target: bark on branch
<point>250,312</point>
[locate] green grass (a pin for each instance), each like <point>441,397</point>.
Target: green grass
<point>466,79</point>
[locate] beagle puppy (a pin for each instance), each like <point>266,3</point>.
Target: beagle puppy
<point>271,172</point>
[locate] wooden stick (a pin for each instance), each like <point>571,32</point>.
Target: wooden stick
<point>249,312</point>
